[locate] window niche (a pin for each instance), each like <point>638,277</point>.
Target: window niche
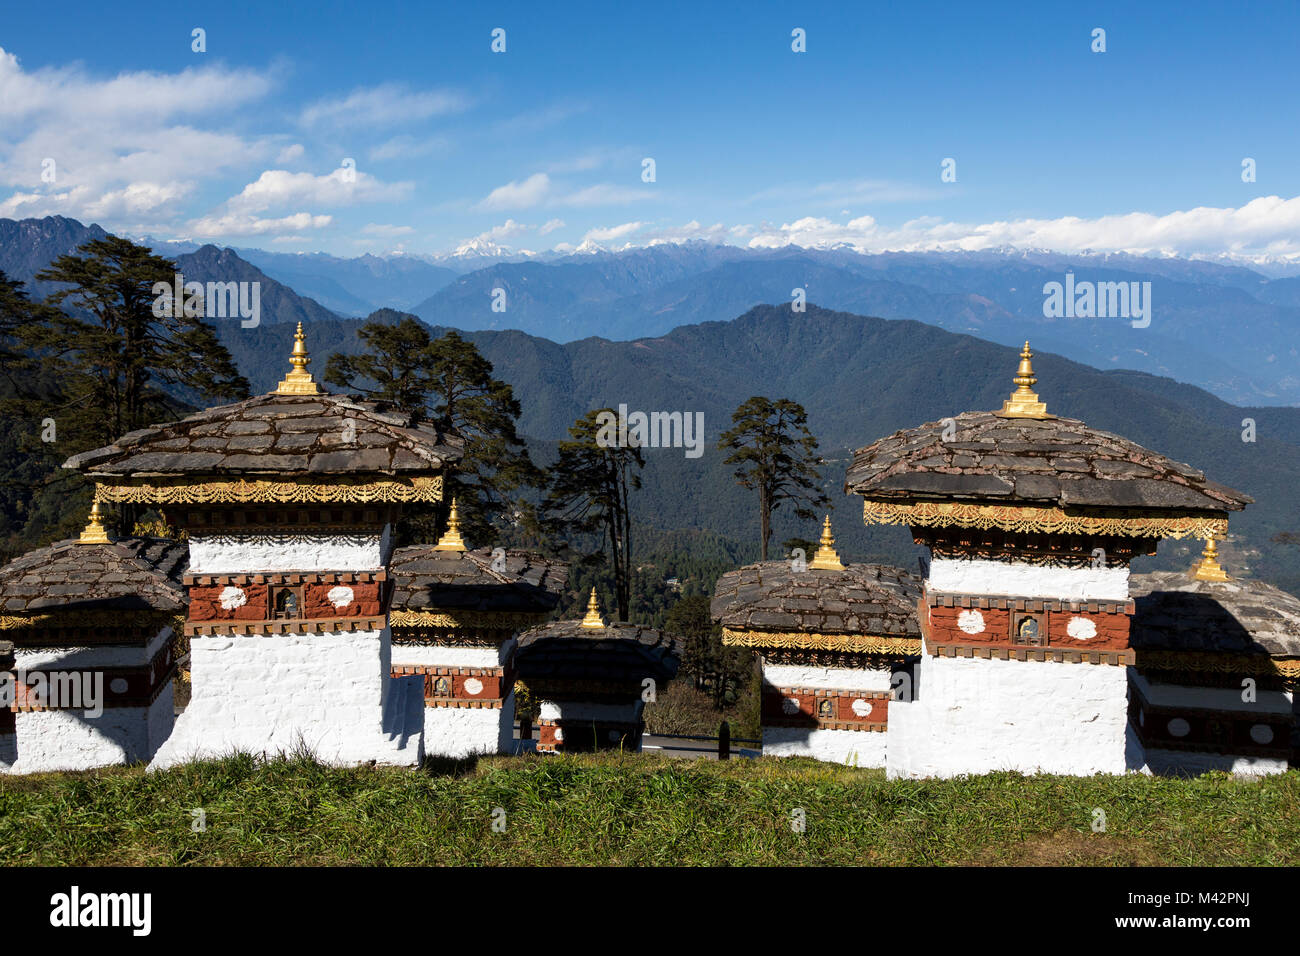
<point>286,603</point>
<point>1029,629</point>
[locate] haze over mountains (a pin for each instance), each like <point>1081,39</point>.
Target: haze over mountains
<point>1223,327</point>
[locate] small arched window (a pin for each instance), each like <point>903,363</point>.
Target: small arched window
<point>826,708</point>
<point>286,603</point>
<point>441,687</point>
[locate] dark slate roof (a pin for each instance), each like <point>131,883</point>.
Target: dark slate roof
<point>1055,461</point>
<point>427,579</point>
<point>618,652</point>
<point>281,435</point>
<point>1176,612</point>
<point>133,574</point>
<point>868,599</point>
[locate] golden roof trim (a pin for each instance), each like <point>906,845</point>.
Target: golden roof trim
<point>852,643</point>
<point>1214,662</point>
<point>467,619</point>
<point>48,618</point>
<point>426,488</point>
<point>1038,518</point>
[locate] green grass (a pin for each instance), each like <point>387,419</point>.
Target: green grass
<point>636,810</point>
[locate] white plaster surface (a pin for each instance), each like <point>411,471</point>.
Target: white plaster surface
<point>72,658</point>
<point>438,655</point>
<point>1211,698</point>
<point>252,553</point>
<point>67,740</point>
<point>975,716</point>
<point>463,731</point>
<point>1021,579</point>
<point>584,710</point>
<point>857,748</point>
<point>828,678</point>
<point>272,694</point>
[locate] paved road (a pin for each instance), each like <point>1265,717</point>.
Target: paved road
<point>689,749</point>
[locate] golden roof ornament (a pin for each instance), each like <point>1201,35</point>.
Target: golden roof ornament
<point>299,380</point>
<point>95,532</point>
<point>826,558</point>
<point>593,618</point>
<point>1208,568</point>
<point>451,539</point>
<point>1024,402</point>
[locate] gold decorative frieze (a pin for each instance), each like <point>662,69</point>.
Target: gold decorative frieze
<point>851,643</point>
<point>1212,662</point>
<point>1039,518</point>
<point>96,620</point>
<point>424,488</point>
<point>488,620</point>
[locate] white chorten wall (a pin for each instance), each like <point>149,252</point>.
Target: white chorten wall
<point>974,716</point>
<point>614,721</point>
<point>860,748</point>
<point>465,730</point>
<point>328,692</point>
<point>1268,716</point>
<point>96,734</point>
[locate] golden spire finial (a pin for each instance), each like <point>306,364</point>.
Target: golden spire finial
<point>95,532</point>
<point>593,618</point>
<point>299,380</point>
<point>1024,402</point>
<point>826,558</point>
<point>451,539</point>
<point>1208,568</point>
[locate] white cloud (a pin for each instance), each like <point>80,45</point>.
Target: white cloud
<point>517,194</point>
<point>290,153</point>
<point>1267,225</point>
<point>236,224</point>
<point>407,147</point>
<point>343,186</point>
<point>550,226</point>
<point>385,105</point>
<point>604,194</point>
<point>611,233</point>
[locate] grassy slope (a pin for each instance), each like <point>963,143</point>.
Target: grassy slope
<point>637,810</point>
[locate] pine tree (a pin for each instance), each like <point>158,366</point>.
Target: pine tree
<point>775,452</point>
<point>588,493</point>
<point>449,382</point>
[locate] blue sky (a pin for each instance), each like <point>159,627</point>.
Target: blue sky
<point>1139,147</point>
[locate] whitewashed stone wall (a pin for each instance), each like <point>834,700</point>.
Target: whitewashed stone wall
<point>50,740</point>
<point>465,732</point>
<point>854,748</point>
<point>272,694</point>
<point>974,716</point>
<point>253,553</point>
<point>1021,579</point>
<point>437,655</point>
<point>826,678</point>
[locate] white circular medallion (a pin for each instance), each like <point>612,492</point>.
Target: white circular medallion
<point>1179,727</point>
<point>1261,734</point>
<point>1081,628</point>
<point>117,685</point>
<point>972,622</point>
<point>341,596</point>
<point>559,734</point>
<point>790,705</point>
<point>473,686</point>
<point>861,707</point>
<point>232,597</point>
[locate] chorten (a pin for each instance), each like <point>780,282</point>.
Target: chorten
<point>593,679</point>
<point>91,624</point>
<point>1031,521</point>
<point>836,642</point>
<point>289,500</point>
<point>1217,671</point>
<point>455,616</point>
